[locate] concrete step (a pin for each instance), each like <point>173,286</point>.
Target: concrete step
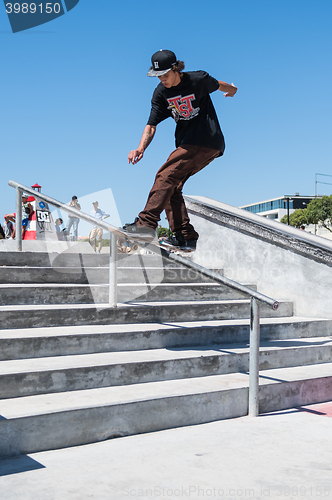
<point>72,258</point>
<point>29,316</point>
<point>87,339</point>
<point>26,377</point>
<point>26,258</point>
<point>93,275</point>
<point>36,423</point>
<point>124,260</point>
<point>16,294</point>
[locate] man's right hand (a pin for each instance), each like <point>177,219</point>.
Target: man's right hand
<point>135,156</point>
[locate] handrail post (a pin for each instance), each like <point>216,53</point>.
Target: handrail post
<point>18,229</point>
<point>112,292</point>
<point>254,359</point>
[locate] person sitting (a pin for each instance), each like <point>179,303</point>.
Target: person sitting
<point>8,227</point>
<point>59,232</point>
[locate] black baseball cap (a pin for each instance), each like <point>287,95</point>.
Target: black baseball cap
<point>162,62</point>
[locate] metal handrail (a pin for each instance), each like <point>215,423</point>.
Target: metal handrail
<point>255,296</point>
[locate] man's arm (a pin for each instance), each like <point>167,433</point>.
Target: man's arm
<point>137,154</point>
<point>104,215</point>
<point>229,89</point>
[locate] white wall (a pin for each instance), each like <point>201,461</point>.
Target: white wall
<point>278,271</point>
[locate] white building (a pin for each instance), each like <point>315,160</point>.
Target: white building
<point>276,208</point>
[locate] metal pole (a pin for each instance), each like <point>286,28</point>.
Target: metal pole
<point>18,229</point>
<point>112,293</point>
<point>254,359</point>
<point>288,211</point>
<point>315,198</point>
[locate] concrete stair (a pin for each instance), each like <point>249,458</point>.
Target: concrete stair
<point>74,371</point>
<point>42,422</point>
<point>63,314</point>
<point>30,294</point>
<point>27,377</point>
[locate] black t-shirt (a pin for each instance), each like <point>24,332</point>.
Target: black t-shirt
<point>190,105</point>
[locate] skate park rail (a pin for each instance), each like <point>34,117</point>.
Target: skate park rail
<point>255,297</point>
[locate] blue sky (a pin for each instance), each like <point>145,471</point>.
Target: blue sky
<point>76,98</point>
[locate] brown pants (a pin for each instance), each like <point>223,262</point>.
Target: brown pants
<point>166,193</point>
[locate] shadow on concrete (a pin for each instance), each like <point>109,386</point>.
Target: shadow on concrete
<point>324,406</point>
<point>16,465</point>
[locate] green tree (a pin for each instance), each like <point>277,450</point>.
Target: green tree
<point>163,231</point>
<point>297,218</point>
<point>319,211</point>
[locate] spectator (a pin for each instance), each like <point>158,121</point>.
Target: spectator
<point>60,232</point>
<point>72,220</point>
<point>96,231</point>
<point>8,227</point>
<point>27,210</point>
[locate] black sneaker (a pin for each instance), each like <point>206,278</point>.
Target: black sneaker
<point>189,245</point>
<point>180,243</point>
<point>173,241</point>
<point>140,232</point>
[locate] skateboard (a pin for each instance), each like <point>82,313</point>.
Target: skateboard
<point>125,245</point>
<point>178,251</point>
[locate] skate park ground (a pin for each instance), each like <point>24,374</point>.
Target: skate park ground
<point>285,454</point>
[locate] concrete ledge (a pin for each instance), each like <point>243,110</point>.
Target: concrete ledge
<point>315,247</point>
<point>281,260</point>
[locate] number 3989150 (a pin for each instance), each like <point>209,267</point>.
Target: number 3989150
<point>33,8</point>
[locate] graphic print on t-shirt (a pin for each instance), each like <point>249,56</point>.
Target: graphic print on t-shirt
<point>182,108</point>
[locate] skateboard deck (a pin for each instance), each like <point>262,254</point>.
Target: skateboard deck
<point>179,251</point>
<point>127,244</point>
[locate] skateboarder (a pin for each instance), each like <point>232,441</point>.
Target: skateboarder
<point>184,96</point>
